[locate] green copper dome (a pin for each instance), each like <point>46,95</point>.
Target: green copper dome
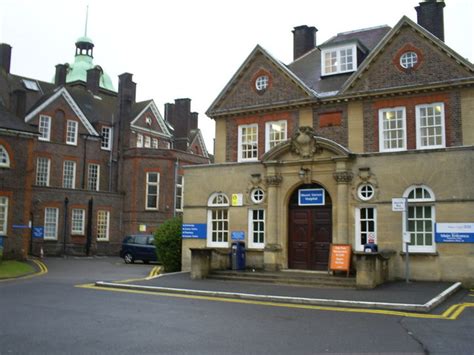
<point>83,61</point>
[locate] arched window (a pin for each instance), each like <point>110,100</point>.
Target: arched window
<point>218,220</point>
<point>4,157</point>
<point>421,219</point>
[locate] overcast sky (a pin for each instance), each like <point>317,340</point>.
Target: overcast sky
<point>191,48</point>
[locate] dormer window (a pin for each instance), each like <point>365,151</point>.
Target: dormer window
<point>337,60</point>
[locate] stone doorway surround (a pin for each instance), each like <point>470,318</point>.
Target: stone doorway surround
<point>304,159</point>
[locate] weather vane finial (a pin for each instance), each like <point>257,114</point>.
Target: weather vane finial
<point>87,17</point>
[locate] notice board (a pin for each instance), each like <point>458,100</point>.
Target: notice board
<point>340,257</point>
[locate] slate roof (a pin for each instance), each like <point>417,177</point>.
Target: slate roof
<point>11,122</point>
<point>308,67</point>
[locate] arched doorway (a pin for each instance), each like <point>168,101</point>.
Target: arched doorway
<point>309,228</point>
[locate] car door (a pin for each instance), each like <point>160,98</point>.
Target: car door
<point>150,249</point>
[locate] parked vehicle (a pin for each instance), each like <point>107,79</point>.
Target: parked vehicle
<point>138,247</point>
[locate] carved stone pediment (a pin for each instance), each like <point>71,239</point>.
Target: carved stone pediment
<point>304,143</point>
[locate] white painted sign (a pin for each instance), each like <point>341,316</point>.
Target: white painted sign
<point>398,204</point>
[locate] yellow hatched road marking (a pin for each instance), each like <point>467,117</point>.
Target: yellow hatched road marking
<point>451,313</point>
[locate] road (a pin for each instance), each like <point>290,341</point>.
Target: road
<point>48,314</point>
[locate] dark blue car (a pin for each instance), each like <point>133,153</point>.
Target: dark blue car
<point>138,247</point>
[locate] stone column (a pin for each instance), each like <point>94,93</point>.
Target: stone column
<point>343,179</point>
<point>272,243</point>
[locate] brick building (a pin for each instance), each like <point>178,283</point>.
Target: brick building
<point>85,162</point>
<point>312,153</point>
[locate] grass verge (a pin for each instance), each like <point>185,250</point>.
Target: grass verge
<point>12,268</point>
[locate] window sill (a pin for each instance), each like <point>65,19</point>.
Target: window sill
<point>421,253</point>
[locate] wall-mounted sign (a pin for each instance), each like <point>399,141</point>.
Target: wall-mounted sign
<point>311,197</point>
<point>194,231</point>
<point>237,235</point>
<point>38,232</point>
<point>142,227</point>
<point>237,199</point>
<point>399,204</point>
<point>454,233</point>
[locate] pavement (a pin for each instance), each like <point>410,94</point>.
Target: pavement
<point>422,297</point>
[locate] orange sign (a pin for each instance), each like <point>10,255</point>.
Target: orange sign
<point>340,257</point>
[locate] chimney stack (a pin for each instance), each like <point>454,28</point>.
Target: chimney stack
<point>304,40</point>
<point>93,79</point>
<point>5,57</point>
<point>126,93</point>
<point>18,103</point>
<point>61,73</point>
<point>430,16</point>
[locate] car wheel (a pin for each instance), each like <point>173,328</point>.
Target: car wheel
<point>128,258</point>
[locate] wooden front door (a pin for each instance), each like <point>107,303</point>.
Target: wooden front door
<point>309,238</point>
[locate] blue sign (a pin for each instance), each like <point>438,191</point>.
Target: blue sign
<point>38,232</point>
<point>237,235</point>
<point>20,226</point>
<point>311,197</point>
<point>194,231</point>
<point>454,233</point>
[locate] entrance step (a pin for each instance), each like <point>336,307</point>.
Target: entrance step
<point>299,278</point>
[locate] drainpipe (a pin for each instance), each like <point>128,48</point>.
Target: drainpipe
<point>176,166</point>
<point>66,202</point>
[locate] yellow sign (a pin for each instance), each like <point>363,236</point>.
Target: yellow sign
<point>237,200</point>
<point>142,227</point>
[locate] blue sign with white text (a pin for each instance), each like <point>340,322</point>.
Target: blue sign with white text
<point>194,231</point>
<point>311,197</point>
<point>38,232</point>
<point>237,235</point>
<point>454,233</point>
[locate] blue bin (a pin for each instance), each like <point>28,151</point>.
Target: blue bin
<point>371,248</point>
<point>237,256</point>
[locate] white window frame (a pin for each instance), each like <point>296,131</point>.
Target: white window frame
<point>359,246</point>
<point>421,202</point>
<point>148,194</point>
<point>179,193</point>
<point>147,142</point>
<point>252,230</point>
<point>71,132</point>
<point>219,208</point>
<point>261,83</point>
<point>78,219</point>
<point>365,191</point>
<point>338,59</point>
<point>93,184</point>
<point>107,135</point>
<point>257,195</point>
<point>419,128</point>
<point>240,143</point>
<point>103,235</point>
<point>44,128</point>
<point>139,140</point>
<point>42,177</point>
<point>51,220</point>
<point>3,215</point>
<point>4,157</point>
<point>154,143</point>
<point>270,141</point>
<point>393,110</point>
<point>148,120</point>
<point>72,178</point>
<point>408,60</point>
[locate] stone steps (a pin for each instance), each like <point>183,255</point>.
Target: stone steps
<point>285,277</point>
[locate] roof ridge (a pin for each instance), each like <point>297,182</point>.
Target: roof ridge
<point>363,29</point>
